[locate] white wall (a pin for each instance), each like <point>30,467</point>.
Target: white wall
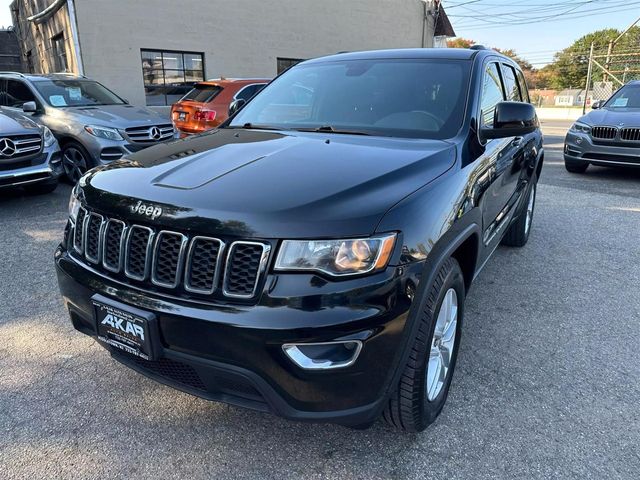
<point>239,38</point>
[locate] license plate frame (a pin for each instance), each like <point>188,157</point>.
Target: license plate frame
<point>125,328</point>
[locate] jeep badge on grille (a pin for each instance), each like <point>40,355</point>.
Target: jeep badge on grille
<point>150,211</point>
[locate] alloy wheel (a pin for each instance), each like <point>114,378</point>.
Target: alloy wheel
<point>74,163</point>
<point>442,345</point>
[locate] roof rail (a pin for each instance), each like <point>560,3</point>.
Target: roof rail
<point>69,74</point>
<point>478,47</point>
<point>20,74</point>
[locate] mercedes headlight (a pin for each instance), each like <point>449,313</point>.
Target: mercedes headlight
<point>336,257</point>
<point>580,128</point>
<point>107,133</point>
<point>48,137</point>
<point>74,204</point>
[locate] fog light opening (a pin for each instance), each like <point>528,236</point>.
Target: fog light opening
<point>323,355</point>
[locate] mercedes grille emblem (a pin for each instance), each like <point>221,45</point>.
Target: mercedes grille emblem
<point>7,147</point>
<point>155,133</point>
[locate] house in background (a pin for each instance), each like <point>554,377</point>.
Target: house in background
<point>572,97</point>
<point>9,52</point>
<point>152,51</point>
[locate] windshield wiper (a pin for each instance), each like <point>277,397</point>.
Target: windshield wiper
<point>330,129</point>
<point>251,126</point>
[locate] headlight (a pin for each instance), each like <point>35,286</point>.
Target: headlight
<point>74,204</point>
<point>336,257</point>
<point>48,137</point>
<point>103,132</point>
<point>580,128</point>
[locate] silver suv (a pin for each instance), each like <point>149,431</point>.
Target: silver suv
<point>29,154</point>
<point>92,124</point>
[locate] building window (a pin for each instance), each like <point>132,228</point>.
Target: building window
<point>169,75</point>
<point>59,53</point>
<point>287,63</point>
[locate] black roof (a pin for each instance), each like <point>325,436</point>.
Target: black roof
<point>408,53</point>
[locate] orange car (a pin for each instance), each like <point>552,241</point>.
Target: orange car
<point>207,105</point>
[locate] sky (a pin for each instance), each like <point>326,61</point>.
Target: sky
<point>551,25</point>
<point>546,26</point>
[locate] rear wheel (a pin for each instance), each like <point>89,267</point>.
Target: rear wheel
<point>574,166</point>
<point>76,161</point>
<point>424,384</point>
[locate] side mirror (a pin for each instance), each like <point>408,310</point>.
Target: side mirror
<point>29,107</point>
<point>236,105</point>
<point>598,104</point>
<point>512,119</point>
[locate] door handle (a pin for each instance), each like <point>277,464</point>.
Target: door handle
<point>517,142</point>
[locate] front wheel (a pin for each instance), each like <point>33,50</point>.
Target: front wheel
<point>76,161</point>
<point>424,384</point>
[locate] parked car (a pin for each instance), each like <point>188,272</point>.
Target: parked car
<point>609,135</point>
<point>312,259</point>
<point>93,125</point>
<point>29,154</point>
<point>207,104</point>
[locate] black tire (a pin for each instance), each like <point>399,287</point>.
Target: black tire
<point>518,233</point>
<point>574,166</point>
<point>42,188</point>
<point>75,161</point>
<point>409,408</point>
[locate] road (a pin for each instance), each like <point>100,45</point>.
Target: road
<point>547,385</point>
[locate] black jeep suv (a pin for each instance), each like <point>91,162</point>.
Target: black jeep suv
<point>311,257</point>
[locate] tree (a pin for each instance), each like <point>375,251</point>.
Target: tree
<point>460,43</point>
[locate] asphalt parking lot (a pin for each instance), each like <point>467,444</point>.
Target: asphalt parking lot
<point>547,384</point>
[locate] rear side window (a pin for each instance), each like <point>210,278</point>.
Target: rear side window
<point>249,91</point>
<point>510,83</point>
<point>202,93</point>
<point>491,94</point>
<point>523,87</point>
<point>17,94</point>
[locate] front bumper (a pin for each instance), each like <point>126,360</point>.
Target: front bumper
<point>44,168</point>
<point>233,353</point>
<point>580,147</point>
<point>105,151</point>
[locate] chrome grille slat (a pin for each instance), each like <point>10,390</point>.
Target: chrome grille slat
<point>142,134</point>
<point>24,145</point>
<point>168,253</point>
<point>93,237</point>
<point>167,259</point>
<point>604,133</point>
<point>137,252</point>
<point>630,134</point>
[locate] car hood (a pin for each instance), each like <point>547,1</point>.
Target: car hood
<point>118,116</point>
<point>269,184</point>
<point>12,123</point>
<point>628,116</point>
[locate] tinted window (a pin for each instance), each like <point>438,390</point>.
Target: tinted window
<point>17,94</point>
<point>75,93</point>
<point>249,91</point>
<point>202,93</point>
<point>627,97</point>
<point>491,94</point>
<point>405,98</point>
<point>510,83</point>
<point>523,86</point>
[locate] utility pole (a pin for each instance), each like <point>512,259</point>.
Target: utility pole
<point>586,88</point>
<point>612,45</point>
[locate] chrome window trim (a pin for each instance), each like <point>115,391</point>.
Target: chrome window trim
<point>147,253</point>
<point>95,260</point>
<point>123,238</point>
<point>180,264</point>
<point>266,249</point>
<point>80,249</point>
<point>216,273</point>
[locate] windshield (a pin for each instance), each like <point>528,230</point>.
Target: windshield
<point>76,93</point>
<point>400,98</point>
<point>627,97</point>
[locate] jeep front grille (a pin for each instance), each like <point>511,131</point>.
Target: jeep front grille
<point>604,133</point>
<point>168,260</point>
<point>150,133</point>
